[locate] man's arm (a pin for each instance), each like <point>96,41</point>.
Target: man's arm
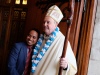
<point>13,60</point>
<point>72,65</point>
<point>69,62</point>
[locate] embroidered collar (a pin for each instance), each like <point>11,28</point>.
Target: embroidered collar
<point>37,55</point>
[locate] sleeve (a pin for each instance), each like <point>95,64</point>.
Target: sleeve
<point>13,60</point>
<point>72,66</point>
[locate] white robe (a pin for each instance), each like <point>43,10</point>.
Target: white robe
<point>49,65</point>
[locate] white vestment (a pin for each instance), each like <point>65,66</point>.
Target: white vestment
<point>49,64</point>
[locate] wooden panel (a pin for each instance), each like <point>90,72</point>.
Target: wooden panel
<point>75,29</point>
<point>3,41</point>
<point>86,37</point>
<point>11,29</point>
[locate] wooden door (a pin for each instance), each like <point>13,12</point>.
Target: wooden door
<point>12,24</point>
<point>86,34</point>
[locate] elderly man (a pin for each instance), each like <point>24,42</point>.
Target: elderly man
<point>46,58</point>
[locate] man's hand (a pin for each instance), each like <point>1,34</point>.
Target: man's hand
<point>63,63</point>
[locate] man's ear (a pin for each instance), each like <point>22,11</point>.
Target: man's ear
<point>56,24</point>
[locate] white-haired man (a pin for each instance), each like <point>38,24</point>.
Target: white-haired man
<point>46,58</point>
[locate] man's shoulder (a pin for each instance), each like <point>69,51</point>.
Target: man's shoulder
<point>20,44</point>
<point>61,34</point>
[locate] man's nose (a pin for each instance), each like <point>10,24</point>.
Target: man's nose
<point>45,24</point>
<point>31,38</point>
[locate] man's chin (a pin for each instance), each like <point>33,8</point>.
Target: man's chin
<point>29,44</point>
<point>46,32</point>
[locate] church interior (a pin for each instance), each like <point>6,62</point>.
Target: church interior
<point>17,17</point>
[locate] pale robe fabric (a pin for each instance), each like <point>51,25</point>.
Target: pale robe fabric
<point>49,65</point>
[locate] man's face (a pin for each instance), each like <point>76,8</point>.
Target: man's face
<point>49,25</point>
<point>32,38</point>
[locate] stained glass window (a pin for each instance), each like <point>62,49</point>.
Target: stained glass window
<point>17,2</point>
<point>24,2</point>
